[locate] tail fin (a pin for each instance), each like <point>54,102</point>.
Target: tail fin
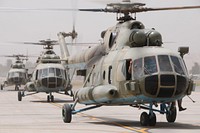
<point>63,46</point>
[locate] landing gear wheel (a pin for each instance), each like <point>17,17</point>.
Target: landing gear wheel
<point>1,87</point>
<point>48,98</point>
<point>66,113</point>
<point>16,88</point>
<point>52,98</point>
<point>171,115</point>
<point>19,96</point>
<point>144,119</point>
<point>152,119</point>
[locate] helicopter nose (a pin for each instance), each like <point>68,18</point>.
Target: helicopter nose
<point>165,85</point>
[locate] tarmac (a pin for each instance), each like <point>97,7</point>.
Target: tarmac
<point>35,115</point>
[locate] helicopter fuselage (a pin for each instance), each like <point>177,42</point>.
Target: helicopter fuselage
<point>131,67</point>
<point>136,75</point>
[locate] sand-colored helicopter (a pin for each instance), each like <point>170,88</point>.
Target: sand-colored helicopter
<point>49,75</point>
<point>18,74</point>
<point>130,67</point>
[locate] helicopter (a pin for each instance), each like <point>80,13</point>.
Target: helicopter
<point>18,74</point>
<point>49,75</point>
<point>130,67</point>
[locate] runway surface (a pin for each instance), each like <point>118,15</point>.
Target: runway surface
<point>34,115</point>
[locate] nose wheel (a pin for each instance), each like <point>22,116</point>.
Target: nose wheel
<point>2,87</point>
<point>50,98</point>
<point>171,115</point>
<point>148,119</point>
<point>20,94</point>
<point>16,87</point>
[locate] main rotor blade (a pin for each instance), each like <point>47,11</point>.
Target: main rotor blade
<point>10,9</point>
<point>82,44</point>
<point>131,9</point>
<point>93,10</point>
<point>38,43</point>
<point>32,43</point>
<point>142,9</point>
<point>171,8</point>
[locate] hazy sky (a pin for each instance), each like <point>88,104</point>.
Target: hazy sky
<point>180,27</point>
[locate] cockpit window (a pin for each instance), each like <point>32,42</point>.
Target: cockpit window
<point>164,63</point>
<point>150,65</point>
<point>44,72</point>
<point>51,72</point>
<point>177,65</point>
<point>58,72</point>
<point>137,68</point>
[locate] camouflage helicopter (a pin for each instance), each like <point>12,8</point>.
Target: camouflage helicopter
<point>18,74</point>
<point>49,75</point>
<point>130,67</point>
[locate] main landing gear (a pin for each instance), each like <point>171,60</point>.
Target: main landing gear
<point>68,110</point>
<point>22,94</point>
<point>145,118</point>
<point>50,97</point>
<point>150,119</point>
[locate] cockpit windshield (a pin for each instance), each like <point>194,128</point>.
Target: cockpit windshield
<point>162,63</point>
<point>51,72</point>
<point>16,74</point>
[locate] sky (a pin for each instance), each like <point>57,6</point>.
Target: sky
<point>178,28</point>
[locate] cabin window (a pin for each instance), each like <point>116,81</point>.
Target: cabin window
<point>104,75</point>
<point>128,69</point>
<point>112,39</point>
<point>36,75</point>
<point>110,74</point>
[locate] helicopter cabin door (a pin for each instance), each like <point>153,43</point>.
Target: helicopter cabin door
<point>124,70</point>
